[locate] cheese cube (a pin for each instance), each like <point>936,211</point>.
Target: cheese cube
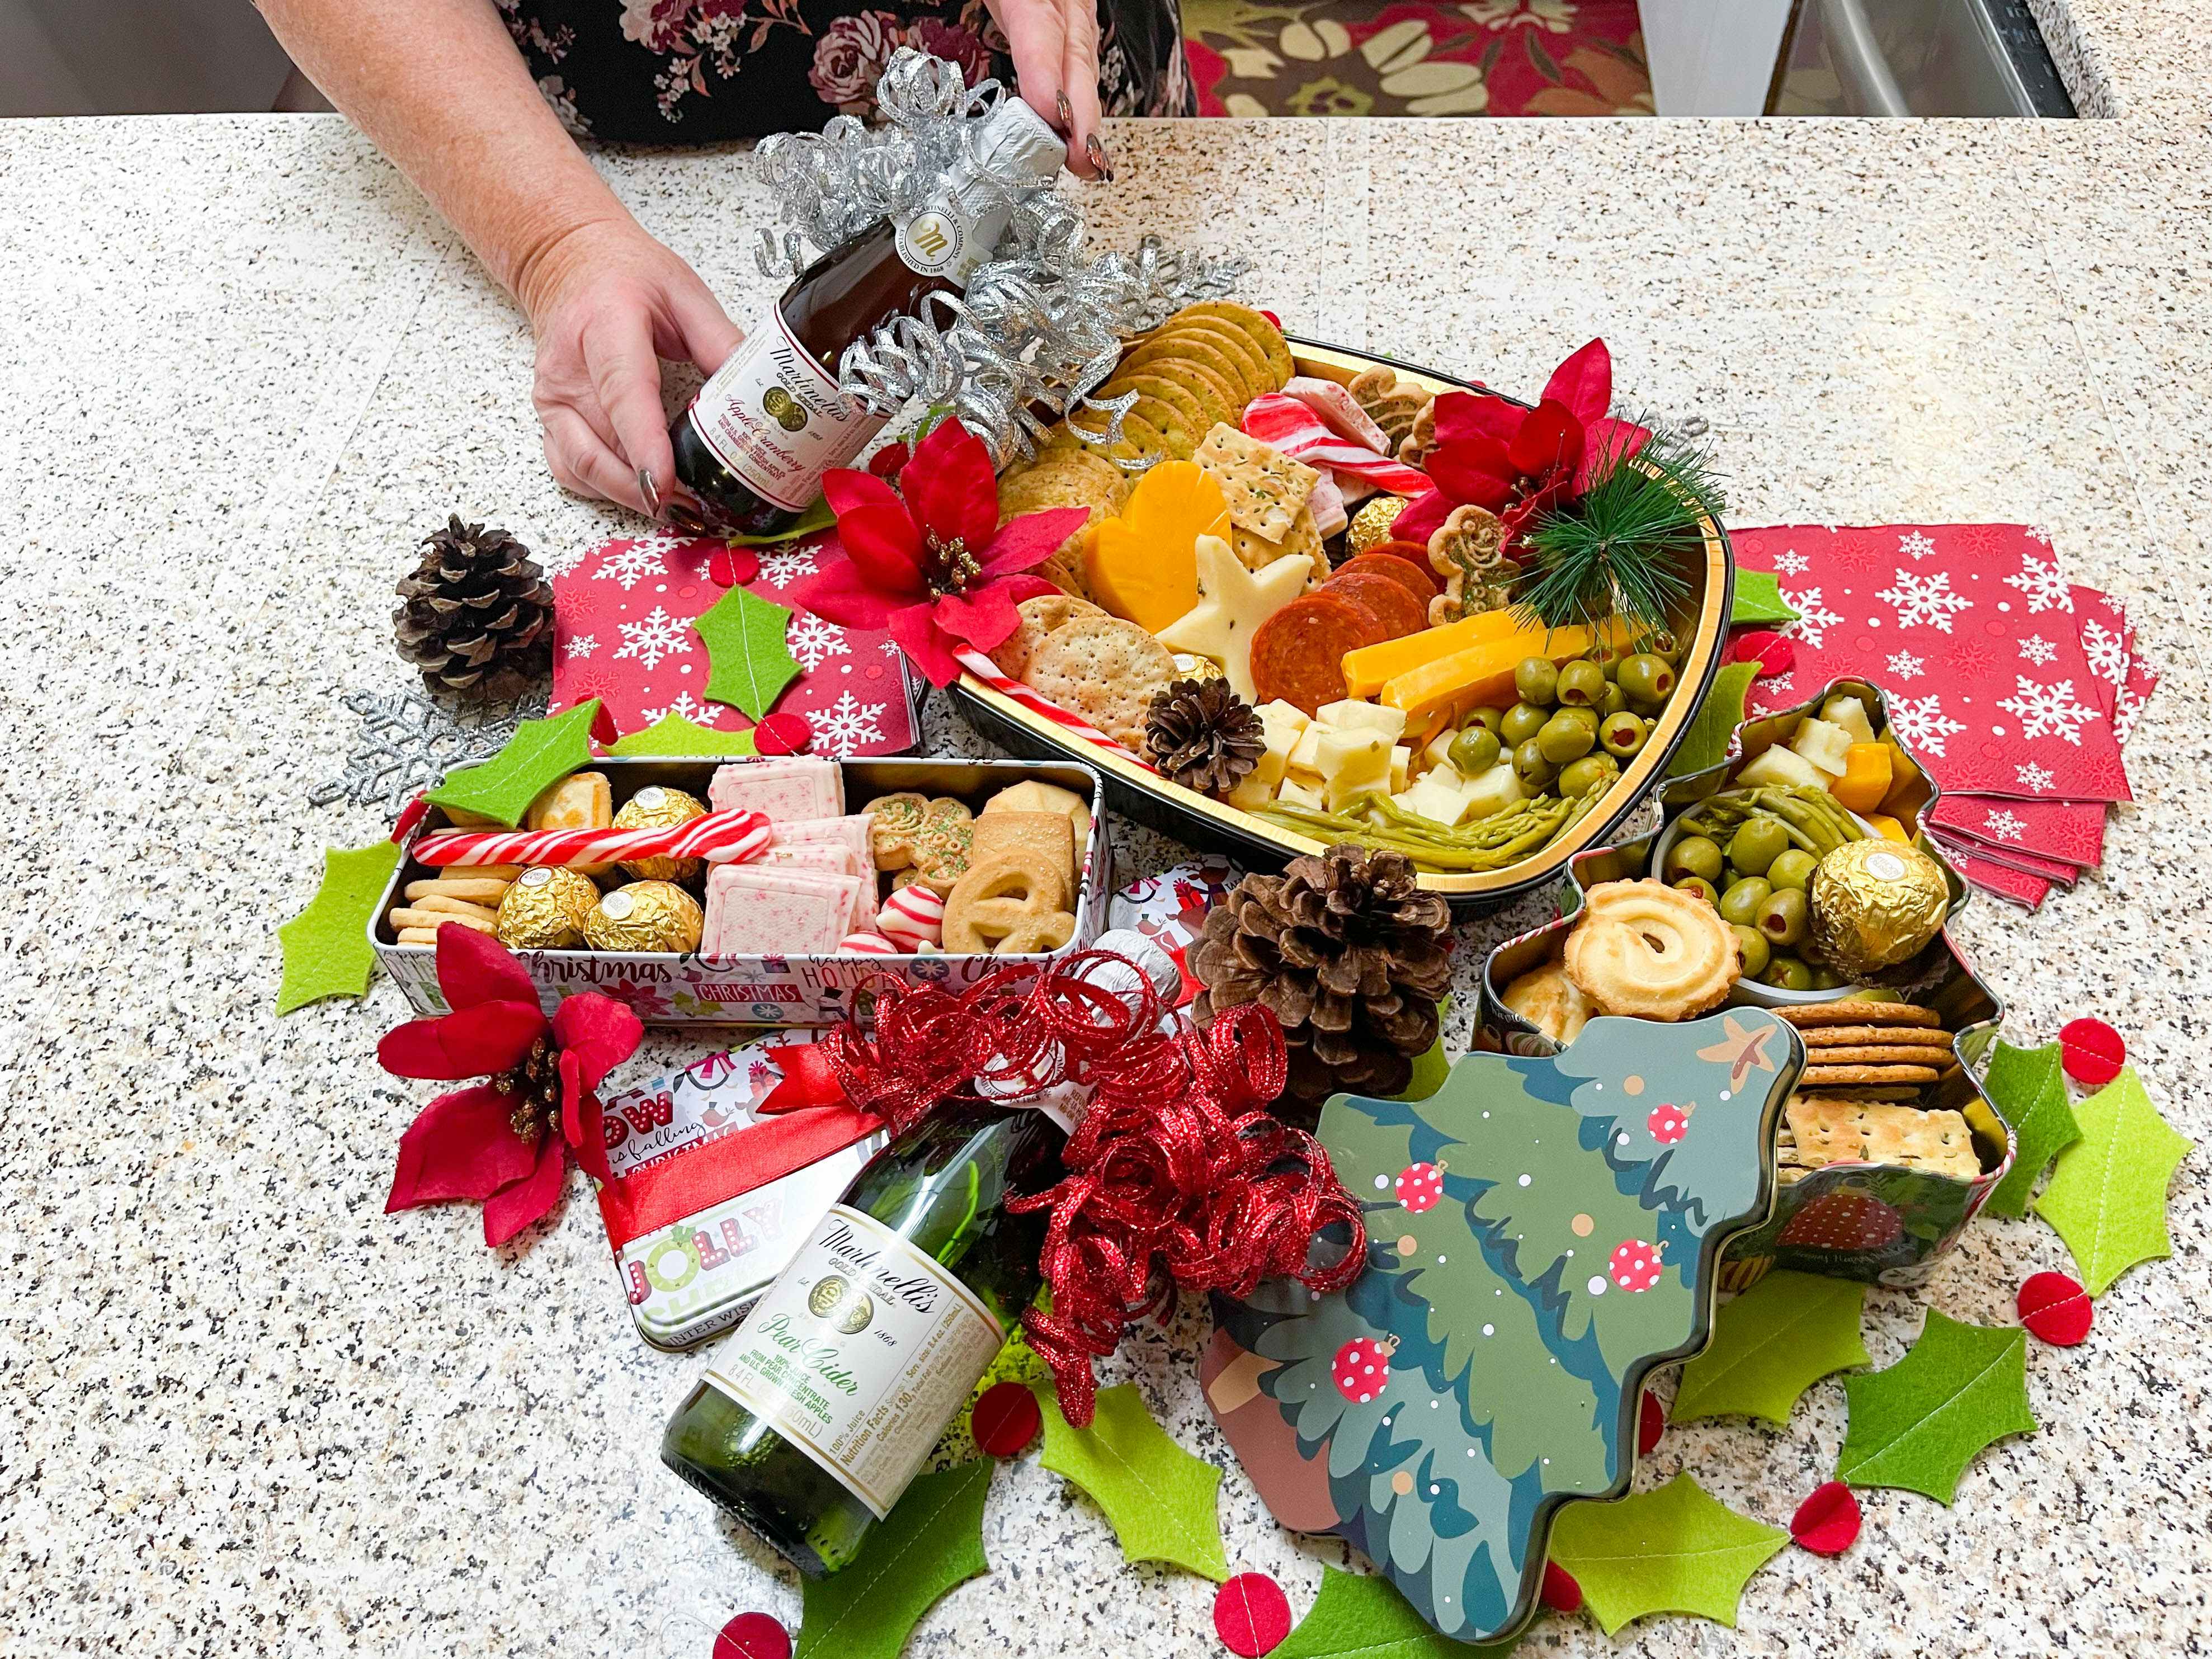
<point>1352,764</point>
<point>1436,797</point>
<point>1828,746</point>
<point>1280,736</point>
<point>1438,753</point>
<point>1402,765</point>
<point>1253,790</point>
<point>1851,714</point>
<point>1294,794</point>
<point>1304,756</point>
<point>1780,765</point>
<point>1494,791</point>
<point>1350,711</point>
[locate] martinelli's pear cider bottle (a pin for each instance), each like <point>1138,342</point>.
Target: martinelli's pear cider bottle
<point>755,442</point>
<point>826,1401</point>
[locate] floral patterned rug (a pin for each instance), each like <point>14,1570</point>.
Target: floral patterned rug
<point>1417,58</point>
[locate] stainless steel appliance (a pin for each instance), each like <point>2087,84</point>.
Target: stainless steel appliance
<point>1889,58</point>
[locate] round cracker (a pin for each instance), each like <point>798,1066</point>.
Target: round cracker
<point>1839,1036</point>
<point>1857,1010</point>
<point>1188,411</point>
<point>1254,327</point>
<point>1880,1054</point>
<point>1816,1075</point>
<point>1034,492</point>
<point>1251,363</point>
<point>1225,386</point>
<point>1204,410</point>
<point>1040,616</point>
<point>1210,351</point>
<point>1104,671</point>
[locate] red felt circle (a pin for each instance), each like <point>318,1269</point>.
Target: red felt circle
<point>1773,654</point>
<point>783,734</point>
<point>1005,1420</point>
<point>2092,1051</point>
<point>1650,1422</point>
<point>1251,1614</point>
<point>1827,1523</point>
<point>753,1636</point>
<point>730,566</point>
<point>2055,1309</point>
<point>1561,1593</point>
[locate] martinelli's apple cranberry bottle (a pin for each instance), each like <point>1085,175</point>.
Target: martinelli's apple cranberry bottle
<point>755,442</point>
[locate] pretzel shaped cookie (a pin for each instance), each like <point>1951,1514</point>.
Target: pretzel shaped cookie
<point>930,837</point>
<point>1651,951</point>
<point>1014,903</point>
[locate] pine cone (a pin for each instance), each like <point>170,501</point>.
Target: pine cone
<point>1204,736</point>
<point>1349,954</point>
<point>478,614</point>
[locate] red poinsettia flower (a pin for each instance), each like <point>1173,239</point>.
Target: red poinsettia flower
<point>505,1143</point>
<point>1517,462</point>
<point>929,561</point>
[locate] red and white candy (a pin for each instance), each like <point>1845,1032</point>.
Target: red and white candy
<point>718,837</point>
<point>866,944</point>
<point>912,917</point>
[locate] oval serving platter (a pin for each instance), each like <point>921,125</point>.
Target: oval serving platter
<point>1137,793</point>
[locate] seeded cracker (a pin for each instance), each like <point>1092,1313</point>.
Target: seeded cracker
<point>1839,1131</point>
<point>1265,489</point>
<point>1105,670</point>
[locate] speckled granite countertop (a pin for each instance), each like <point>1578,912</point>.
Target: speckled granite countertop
<point>243,1412</point>
<point>2132,57</point>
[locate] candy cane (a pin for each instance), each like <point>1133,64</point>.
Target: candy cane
<point>988,671</point>
<point>718,837</point>
<point>1288,425</point>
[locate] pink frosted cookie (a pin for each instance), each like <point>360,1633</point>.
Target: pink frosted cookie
<point>752,911</point>
<point>781,787</point>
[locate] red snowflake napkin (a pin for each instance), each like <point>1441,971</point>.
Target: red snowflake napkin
<point>2072,830</point>
<point>622,633</point>
<point>1971,630</point>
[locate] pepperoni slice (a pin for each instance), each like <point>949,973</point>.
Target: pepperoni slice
<point>1420,582</point>
<point>1414,553</point>
<point>1298,653</point>
<point>1392,604</point>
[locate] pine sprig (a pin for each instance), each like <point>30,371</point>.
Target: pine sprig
<point>1620,549</point>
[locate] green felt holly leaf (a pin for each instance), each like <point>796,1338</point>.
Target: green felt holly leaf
<point>932,1539</point>
<point>1771,1344</point>
<point>325,947</point>
<point>812,522</point>
<point>2107,1196</point>
<point>539,755</point>
<point>1919,1424</point>
<point>1359,1616</point>
<point>1159,1499</point>
<point>1759,599</point>
<point>1673,1550</point>
<point>1705,744</point>
<point>673,736</point>
<point>744,643</point>
<point>2029,1088</point>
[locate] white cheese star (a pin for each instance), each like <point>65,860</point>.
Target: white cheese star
<point>1233,603</point>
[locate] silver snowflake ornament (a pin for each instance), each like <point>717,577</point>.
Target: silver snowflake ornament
<point>408,741</point>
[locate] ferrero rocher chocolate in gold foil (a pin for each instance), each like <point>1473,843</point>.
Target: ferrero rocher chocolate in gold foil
<point>1191,666</point>
<point>646,916</point>
<point>656,808</point>
<point>1875,903</point>
<point>1370,525</point>
<point>543,909</point>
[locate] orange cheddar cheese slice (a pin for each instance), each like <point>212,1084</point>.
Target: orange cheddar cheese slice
<point>1481,677</point>
<point>1367,669</point>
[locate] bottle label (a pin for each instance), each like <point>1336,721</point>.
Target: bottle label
<point>777,418</point>
<point>860,1354</point>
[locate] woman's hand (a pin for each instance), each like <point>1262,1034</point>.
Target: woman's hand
<point>1054,47</point>
<point>607,302</point>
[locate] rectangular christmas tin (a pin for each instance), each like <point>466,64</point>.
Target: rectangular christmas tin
<point>692,1276</point>
<point>698,989</point>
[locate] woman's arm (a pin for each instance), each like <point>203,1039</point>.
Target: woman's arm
<point>441,89</point>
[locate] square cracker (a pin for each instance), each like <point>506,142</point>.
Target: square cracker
<point>1265,489</point>
<point>1828,1131</point>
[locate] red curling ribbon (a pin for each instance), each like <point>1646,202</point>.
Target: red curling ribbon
<point>670,1189</point>
<point>1177,1178</point>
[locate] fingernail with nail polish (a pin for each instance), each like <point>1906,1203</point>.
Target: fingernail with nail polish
<point>1067,114</point>
<point>647,488</point>
<point>1097,152</point>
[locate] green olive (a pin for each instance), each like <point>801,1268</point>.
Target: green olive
<point>1646,678</point>
<point>1758,844</point>
<point>1534,768</point>
<point>1698,885</point>
<point>1694,855</point>
<point>1536,680</point>
<point>1751,943</point>
<point>1582,685</point>
<point>1608,659</point>
<point>1826,979</point>
<point>1623,733</point>
<point>1663,644</point>
<point>1781,916</point>
<point>1522,721</point>
<point>1578,778</point>
<point>1792,868</point>
<point>1650,711</point>
<point>1564,738</point>
<point>1474,751</point>
<point>1788,974</point>
<point>1741,903</point>
<point>1615,699</point>
<point>1488,719</point>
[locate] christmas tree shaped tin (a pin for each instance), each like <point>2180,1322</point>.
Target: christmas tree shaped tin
<point>1542,1232</point>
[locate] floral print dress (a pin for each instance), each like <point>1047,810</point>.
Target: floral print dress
<point>700,71</point>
